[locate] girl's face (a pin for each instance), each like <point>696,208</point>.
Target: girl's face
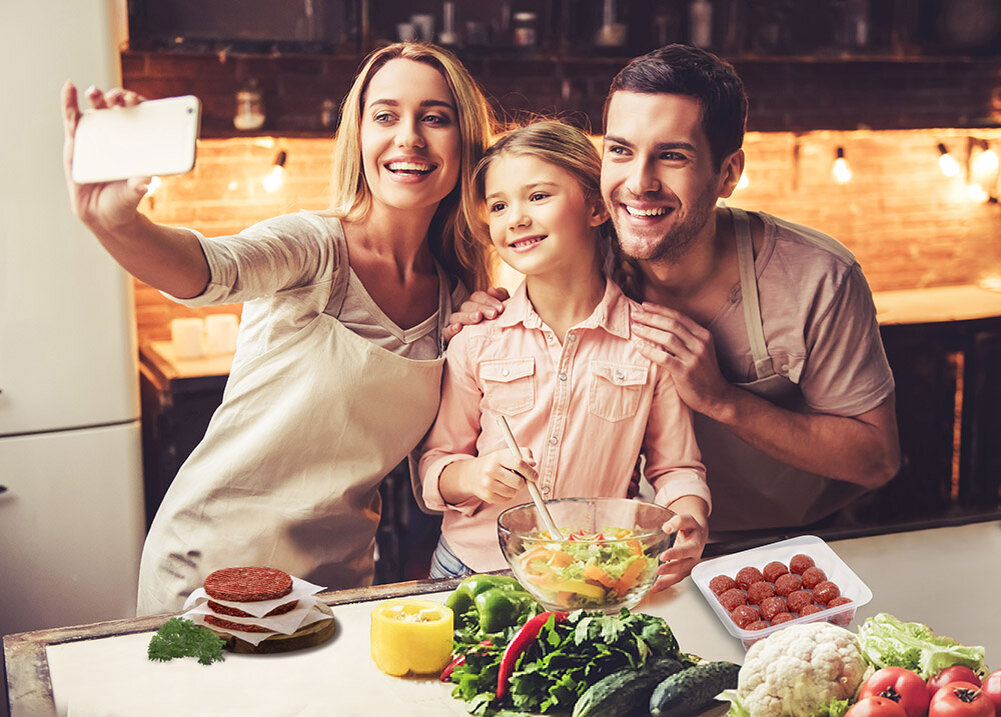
<point>410,142</point>
<point>540,221</point>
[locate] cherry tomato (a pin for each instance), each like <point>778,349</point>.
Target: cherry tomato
<point>876,707</point>
<point>960,699</point>
<point>900,685</point>
<point>956,673</point>
<point>992,688</point>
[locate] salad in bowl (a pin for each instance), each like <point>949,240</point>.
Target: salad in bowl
<point>605,557</point>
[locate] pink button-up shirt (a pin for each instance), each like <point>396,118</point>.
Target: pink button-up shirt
<point>586,408</point>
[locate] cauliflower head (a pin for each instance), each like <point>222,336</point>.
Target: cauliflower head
<point>799,670</point>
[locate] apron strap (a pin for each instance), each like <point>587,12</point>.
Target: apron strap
<point>749,290</point>
<point>444,305</point>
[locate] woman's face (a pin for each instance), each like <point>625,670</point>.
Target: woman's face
<point>410,141</point>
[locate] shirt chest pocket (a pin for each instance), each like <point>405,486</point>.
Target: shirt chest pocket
<point>616,390</point>
<point>508,384</point>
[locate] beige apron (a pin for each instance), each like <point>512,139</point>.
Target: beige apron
<point>288,473</point>
<point>751,489</point>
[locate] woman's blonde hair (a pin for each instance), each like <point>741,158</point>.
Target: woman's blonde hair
<point>556,143</point>
<point>449,237</point>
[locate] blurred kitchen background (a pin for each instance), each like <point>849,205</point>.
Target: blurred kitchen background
<point>876,121</point>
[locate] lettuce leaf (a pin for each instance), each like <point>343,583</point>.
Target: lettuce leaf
<point>887,641</point>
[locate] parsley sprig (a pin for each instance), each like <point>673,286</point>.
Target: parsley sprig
<point>183,638</point>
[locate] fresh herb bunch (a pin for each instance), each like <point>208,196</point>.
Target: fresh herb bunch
<point>183,638</point>
<point>565,659</point>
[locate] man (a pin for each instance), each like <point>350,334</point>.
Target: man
<point>767,327</point>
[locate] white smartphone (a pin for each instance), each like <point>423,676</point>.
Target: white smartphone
<point>155,137</point>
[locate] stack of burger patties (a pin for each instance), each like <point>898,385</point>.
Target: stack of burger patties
<point>254,602</point>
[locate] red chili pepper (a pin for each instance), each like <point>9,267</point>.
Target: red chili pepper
<point>519,643</point>
<point>459,660</point>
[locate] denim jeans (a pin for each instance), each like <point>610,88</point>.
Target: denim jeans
<point>445,563</point>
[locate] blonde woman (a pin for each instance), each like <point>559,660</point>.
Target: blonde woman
<point>337,371</point>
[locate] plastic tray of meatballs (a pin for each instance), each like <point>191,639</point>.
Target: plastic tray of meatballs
<point>756,592</point>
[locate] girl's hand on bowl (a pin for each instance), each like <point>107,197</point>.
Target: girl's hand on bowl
<point>678,560</point>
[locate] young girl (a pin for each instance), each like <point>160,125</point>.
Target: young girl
<point>337,373</point>
<point>560,364</point>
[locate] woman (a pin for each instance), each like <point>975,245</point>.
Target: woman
<point>338,364</point>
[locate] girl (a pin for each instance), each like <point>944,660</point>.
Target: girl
<point>559,364</point>
<point>342,326</point>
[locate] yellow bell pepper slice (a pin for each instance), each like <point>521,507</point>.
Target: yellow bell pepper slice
<point>411,636</point>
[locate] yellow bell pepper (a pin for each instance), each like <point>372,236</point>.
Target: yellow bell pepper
<point>577,586</point>
<point>411,637</point>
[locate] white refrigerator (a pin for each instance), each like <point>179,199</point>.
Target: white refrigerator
<point>71,505</point>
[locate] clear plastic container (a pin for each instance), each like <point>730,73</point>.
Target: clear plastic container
<point>848,582</point>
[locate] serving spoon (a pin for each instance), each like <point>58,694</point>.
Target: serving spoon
<point>533,489</point>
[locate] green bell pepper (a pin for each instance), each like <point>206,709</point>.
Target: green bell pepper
<point>494,602</point>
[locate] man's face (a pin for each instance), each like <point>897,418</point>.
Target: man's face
<point>657,174</point>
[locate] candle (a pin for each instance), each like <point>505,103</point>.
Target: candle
<point>411,637</point>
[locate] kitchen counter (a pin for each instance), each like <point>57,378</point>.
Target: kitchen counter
<point>936,304</point>
<point>935,576</point>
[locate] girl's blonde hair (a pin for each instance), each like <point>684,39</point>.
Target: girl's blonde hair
<point>450,237</point>
<point>556,143</point>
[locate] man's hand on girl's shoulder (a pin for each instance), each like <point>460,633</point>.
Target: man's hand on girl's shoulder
<point>481,305</point>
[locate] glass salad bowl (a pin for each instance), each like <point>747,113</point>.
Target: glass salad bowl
<point>606,558</point>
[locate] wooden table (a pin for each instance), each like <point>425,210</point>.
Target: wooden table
<point>945,577</point>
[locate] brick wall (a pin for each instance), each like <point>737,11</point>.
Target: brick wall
<point>909,225</point>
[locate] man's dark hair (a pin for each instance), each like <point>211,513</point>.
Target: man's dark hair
<point>689,71</point>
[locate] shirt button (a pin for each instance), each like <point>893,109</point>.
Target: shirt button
<point>785,367</point>
<point>504,372</point>
<point>545,490</point>
<point>619,375</point>
<point>571,338</point>
<point>563,377</point>
<point>549,338</point>
<point>553,440</point>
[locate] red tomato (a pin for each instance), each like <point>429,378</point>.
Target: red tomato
<point>960,699</point>
<point>900,685</point>
<point>992,688</point>
<point>956,673</point>
<point>876,707</point>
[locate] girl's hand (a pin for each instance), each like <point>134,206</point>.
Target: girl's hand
<point>481,305</point>
<point>495,478</point>
<point>679,559</point>
<point>105,206</point>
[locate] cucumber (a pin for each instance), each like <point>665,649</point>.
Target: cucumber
<point>693,690</point>
<point>625,691</point>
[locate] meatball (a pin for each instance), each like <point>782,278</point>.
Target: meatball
<point>783,617</point>
<point>744,615</point>
<point>756,625</point>
<point>721,583</point>
<point>812,577</point>
<point>799,563</point>
<point>759,591</point>
<point>810,609</point>
<point>770,607</point>
<point>840,600</point>
<point>787,583</point>
<point>748,576</point>
<point>732,598</point>
<point>825,592</point>
<point>844,617</point>
<point>773,570</point>
<point>798,599</point>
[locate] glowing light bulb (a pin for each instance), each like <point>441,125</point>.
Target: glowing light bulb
<point>841,171</point>
<point>946,162</point>
<point>985,163</point>
<point>274,181</point>
<point>977,194</point>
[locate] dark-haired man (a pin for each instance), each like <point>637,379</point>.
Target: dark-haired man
<point>768,327</point>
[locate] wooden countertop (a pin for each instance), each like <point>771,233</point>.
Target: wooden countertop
<point>936,304</point>
<point>922,575</point>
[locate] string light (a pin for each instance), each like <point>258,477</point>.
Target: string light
<point>946,162</point>
<point>841,171</point>
<point>274,181</point>
<point>984,163</point>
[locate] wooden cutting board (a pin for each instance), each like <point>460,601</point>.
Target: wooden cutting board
<point>309,636</point>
